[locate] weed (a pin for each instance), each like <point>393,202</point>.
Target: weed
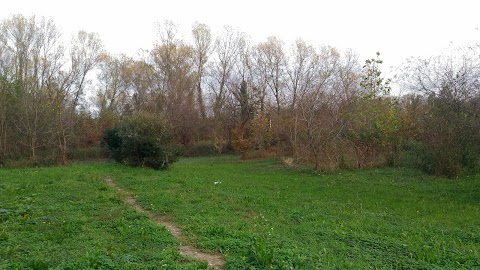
<point>260,253</point>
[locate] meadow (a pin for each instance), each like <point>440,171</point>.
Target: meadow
<point>261,214</point>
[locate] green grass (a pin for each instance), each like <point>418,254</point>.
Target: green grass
<point>68,218</point>
<point>260,214</point>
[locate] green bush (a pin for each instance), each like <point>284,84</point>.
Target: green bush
<point>446,160</point>
<point>112,142</point>
<point>450,134</point>
<point>141,140</point>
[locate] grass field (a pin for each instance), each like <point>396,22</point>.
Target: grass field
<point>260,214</point>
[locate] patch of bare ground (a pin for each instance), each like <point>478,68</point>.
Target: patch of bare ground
<point>216,261</point>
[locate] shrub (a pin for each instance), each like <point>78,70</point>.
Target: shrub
<point>438,159</point>
<point>112,142</point>
<point>141,140</point>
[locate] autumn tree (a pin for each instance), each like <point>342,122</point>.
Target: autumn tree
<point>85,52</point>
<point>314,103</point>
<point>112,92</point>
<point>272,64</point>
<point>301,70</point>
<point>34,53</point>
<point>240,84</point>
<point>7,90</point>
<point>225,55</point>
<point>447,90</point>
<point>226,52</point>
<point>47,85</point>
<point>202,48</point>
<point>173,62</point>
<point>141,81</point>
<point>319,124</point>
<point>373,121</point>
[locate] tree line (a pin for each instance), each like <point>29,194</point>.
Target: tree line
<point>227,93</point>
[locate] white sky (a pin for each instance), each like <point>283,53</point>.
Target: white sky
<point>397,29</point>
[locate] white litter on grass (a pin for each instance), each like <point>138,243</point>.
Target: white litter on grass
<point>216,183</point>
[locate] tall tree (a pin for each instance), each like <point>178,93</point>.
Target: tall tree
<point>374,121</point>
<point>226,52</point>
<point>202,38</point>
<point>272,62</point>
<point>35,56</point>
<point>319,122</point>
<point>112,92</point>
<point>173,62</point>
<point>86,50</point>
<point>301,69</point>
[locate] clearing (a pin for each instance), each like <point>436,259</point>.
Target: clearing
<point>258,214</point>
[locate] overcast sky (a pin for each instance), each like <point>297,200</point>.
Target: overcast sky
<point>397,29</point>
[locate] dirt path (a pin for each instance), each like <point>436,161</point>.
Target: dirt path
<point>216,261</point>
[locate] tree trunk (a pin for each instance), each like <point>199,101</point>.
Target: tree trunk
<point>201,105</point>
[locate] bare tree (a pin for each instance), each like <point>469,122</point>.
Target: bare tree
<point>348,77</point>
<point>112,93</point>
<point>301,71</point>
<point>446,91</point>
<point>173,62</point>
<point>202,38</point>
<point>319,122</point>
<point>226,52</point>
<point>141,80</point>
<point>272,62</point>
<point>241,82</point>
<point>34,52</point>
<point>85,54</point>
